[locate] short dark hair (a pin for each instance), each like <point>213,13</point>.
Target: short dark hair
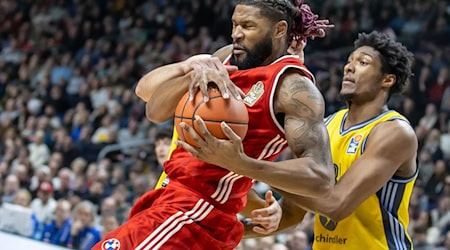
<point>163,133</point>
<point>395,57</point>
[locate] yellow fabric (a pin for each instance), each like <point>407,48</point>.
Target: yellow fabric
<point>163,175</point>
<point>380,222</point>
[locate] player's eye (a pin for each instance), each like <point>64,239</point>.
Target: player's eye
<point>363,63</point>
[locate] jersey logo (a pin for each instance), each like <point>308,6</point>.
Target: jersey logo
<point>254,94</point>
<point>111,244</point>
<point>327,223</point>
<point>354,143</point>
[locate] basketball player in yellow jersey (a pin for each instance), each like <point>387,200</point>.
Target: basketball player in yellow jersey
<point>374,153</point>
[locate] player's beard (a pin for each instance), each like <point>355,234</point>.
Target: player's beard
<point>255,57</point>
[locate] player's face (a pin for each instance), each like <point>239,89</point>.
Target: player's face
<point>252,40</point>
<point>162,148</point>
<point>362,75</point>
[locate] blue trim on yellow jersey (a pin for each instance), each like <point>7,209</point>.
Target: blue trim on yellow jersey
<point>329,118</point>
<point>390,197</point>
<point>342,131</point>
<point>363,146</point>
<point>399,179</point>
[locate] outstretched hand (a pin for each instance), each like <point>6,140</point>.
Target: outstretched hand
<point>267,219</point>
<point>206,69</point>
<point>220,152</point>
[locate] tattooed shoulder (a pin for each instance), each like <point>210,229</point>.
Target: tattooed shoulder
<point>298,93</point>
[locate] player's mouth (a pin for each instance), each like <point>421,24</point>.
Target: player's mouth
<point>348,80</point>
<point>238,50</point>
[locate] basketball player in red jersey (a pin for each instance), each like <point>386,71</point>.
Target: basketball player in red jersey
<point>197,209</point>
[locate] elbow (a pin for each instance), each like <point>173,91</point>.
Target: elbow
<point>141,91</point>
<point>337,213</point>
<point>152,114</point>
<point>157,113</point>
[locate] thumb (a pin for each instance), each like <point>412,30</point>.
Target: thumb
<point>269,197</point>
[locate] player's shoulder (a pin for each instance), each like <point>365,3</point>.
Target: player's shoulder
<point>297,93</point>
<point>296,82</point>
<point>395,131</point>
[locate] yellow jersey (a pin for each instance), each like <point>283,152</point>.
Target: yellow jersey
<point>163,178</point>
<point>381,221</point>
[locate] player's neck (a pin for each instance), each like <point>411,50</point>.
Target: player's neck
<point>358,113</point>
<point>277,54</point>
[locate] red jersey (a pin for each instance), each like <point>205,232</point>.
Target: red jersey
<point>265,139</point>
<point>200,196</point>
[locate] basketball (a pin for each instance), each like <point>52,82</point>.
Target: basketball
<point>213,113</point>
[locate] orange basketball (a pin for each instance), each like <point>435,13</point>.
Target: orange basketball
<point>213,113</point>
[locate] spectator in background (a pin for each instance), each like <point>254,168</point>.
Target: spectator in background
<point>22,198</point>
<point>297,240</point>
<point>444,142</point>
<point>40,175</point>
<point>43,206</point>
<point>58,230</point>
<point>432,144</point>
<point>108,223</point>
<point>83,234</point>
<point>10,188</point>
<point>39,151</point>
<point>435,185</point>
<point>420,239</point>
<point>427,122</point>
<point>128,134</point>
<point>63,184</point>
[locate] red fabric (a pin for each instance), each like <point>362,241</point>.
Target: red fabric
<point>198,207</point>
<point>169,224</point>
<point>265,138</point>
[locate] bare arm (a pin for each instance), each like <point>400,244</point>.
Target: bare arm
<point>310,174</point>
<point>390,149</point>
<point>163,87</point>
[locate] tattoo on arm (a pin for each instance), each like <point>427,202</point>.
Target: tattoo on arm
<point>303,107</point>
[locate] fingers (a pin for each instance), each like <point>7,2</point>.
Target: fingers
<point>204,132</point>
<point>193,134</point>
<point>230,68</point>
<point>223,89</point>
<point>268,218</point>
<point>206,70</point>
<point>263,230</point>
<point>193,86</point>
<point>230,133</point>
<point>269,197</point>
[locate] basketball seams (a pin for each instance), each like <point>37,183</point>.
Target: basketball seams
<point>213,114</point>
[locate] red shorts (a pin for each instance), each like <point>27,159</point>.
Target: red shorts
<point>175,219</point>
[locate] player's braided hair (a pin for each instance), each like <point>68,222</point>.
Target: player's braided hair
<point>395,58</point>
<point>302,22</point>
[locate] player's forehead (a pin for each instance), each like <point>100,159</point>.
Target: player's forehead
<point>247,13</point>
<point>365,51</point>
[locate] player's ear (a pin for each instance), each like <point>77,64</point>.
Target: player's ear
<point>389,80</point>
<point>281,29</point>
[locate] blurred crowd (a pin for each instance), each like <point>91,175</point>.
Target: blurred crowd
<point>68,69</point>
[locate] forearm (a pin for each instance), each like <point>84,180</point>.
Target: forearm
<point>317,205</point>
<point>292,214</point>
<point>167,74</point>
<point>161,89</point>
<point>301,176</point>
